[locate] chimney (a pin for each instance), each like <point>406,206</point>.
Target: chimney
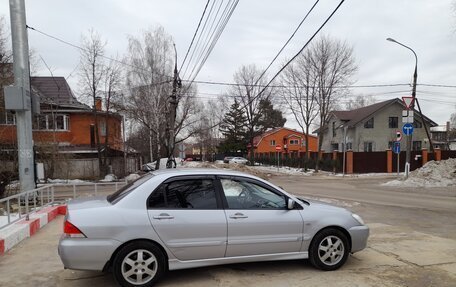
<point>98,103</point>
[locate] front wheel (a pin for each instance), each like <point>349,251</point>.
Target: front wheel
<point>138,264</point>
<point>329,249</point>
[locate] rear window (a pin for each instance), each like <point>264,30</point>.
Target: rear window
<point>121,193</point>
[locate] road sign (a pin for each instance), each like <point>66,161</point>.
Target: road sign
<point>408,102</point>
<point>398,136</point>
<point>407,116</point>
<point>397,147</point>
<point>278,147</point>
<point>407,129</point>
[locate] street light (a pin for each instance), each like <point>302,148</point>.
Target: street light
<point>415,75</point>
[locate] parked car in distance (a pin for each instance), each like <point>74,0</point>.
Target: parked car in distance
<point>185,218</point>
<point>239,160</point>
<point>227,159</point>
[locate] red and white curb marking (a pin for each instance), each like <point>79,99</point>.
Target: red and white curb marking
<point>15,233</point>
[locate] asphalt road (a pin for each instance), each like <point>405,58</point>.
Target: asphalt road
<point>409,245</point>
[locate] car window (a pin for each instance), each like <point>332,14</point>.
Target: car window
<point>122,192</point>
<point>243,194</point>
<point>194,193</point>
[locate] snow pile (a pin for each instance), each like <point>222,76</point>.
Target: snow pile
<point>4,219</point>
<point>109,178</point>
<point>132,177</point>
<point>432,174</point>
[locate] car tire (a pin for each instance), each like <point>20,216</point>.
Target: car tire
<point>329,249</point>
<point>139,263</point>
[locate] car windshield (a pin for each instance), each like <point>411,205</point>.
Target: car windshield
<point>121,193</point>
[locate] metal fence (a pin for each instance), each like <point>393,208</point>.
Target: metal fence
<point>18,206</point>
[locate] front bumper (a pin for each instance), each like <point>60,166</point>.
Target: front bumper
<point>359,235</point>
<point>85,253</point>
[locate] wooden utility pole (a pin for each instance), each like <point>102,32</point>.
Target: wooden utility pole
<point>173,102</point>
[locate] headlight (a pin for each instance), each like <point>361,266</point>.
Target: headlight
<point>358,218</point>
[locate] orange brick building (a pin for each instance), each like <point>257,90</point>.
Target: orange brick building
<point>292,142</point>
<point>64,121</point>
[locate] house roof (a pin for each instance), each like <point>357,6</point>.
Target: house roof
<point>355,116</point>
<point>258,139</point>
<point>55,90</point>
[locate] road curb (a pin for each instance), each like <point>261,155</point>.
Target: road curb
<point>15,233</point>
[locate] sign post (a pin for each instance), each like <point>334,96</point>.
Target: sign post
<point>278,149</point>
<point>397,150</point>
<point>407,129</point>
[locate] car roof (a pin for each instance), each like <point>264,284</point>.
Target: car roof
<point>199,171</point>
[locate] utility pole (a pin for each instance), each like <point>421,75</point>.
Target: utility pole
<point>18,97</point>
<point>173,101</point>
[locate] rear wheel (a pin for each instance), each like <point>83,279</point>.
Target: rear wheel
<point>329,249</point>
<point>138,264</point>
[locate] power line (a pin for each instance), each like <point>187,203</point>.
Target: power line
<point>288,41</point>
<point>102,56</point>
<point>194,35</point>
<point>295,56</point>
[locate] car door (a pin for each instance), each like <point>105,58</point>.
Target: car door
<point>258,219</point>
<point>186,213</point>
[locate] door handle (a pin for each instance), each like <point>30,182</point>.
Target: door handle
<point>238,215</point>
<point>163,216</point>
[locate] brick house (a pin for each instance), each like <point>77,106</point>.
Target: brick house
<point>291,141</point>
<point>373,128</point>
<point>67,125</point>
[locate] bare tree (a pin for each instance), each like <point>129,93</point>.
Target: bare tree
<point>359,101</point>
<point>246,91</point>
<point>92,71</point>
<point>333,65</point>
<point>300,94</point>
<point>6,55</point>
<point>112,86</point>
<point>148,85</point>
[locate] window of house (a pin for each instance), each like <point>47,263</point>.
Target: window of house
<point>103,128</point>
<point>369,124</point>
<point>349,146</point>
<point>416,145</point>
<point>272,143</point>
<point>7,118</point>
<point>51,121</point>
<point>334,128</point>
<point>368,146</point>
<point>417,124</point>
<point>303,142</point>
<point>335,146</point>
<point>390,144</point>
<point>294,142</point>
<point>393,122</point>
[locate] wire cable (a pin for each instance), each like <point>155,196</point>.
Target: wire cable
<point>194,35</point>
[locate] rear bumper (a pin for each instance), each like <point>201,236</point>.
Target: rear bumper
<point>359,235</point>
<point>85,253</point>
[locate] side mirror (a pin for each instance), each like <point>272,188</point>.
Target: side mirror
<point>290,204</point>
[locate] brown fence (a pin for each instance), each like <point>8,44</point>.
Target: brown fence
<point>363,162</point>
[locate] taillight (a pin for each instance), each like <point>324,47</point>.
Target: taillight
<point>71,231</point>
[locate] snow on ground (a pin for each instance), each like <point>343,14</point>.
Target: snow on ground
<point>432,174</point>
<point>132,177</point>
<point>260,171</point>
<point>66,181</point>
<point>109,178</point>
<point>4,219</point>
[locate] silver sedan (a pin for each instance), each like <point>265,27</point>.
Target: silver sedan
<point>176,219</point>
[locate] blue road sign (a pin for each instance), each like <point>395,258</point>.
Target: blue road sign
<point>397,147</point>
<point>407,129</point>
